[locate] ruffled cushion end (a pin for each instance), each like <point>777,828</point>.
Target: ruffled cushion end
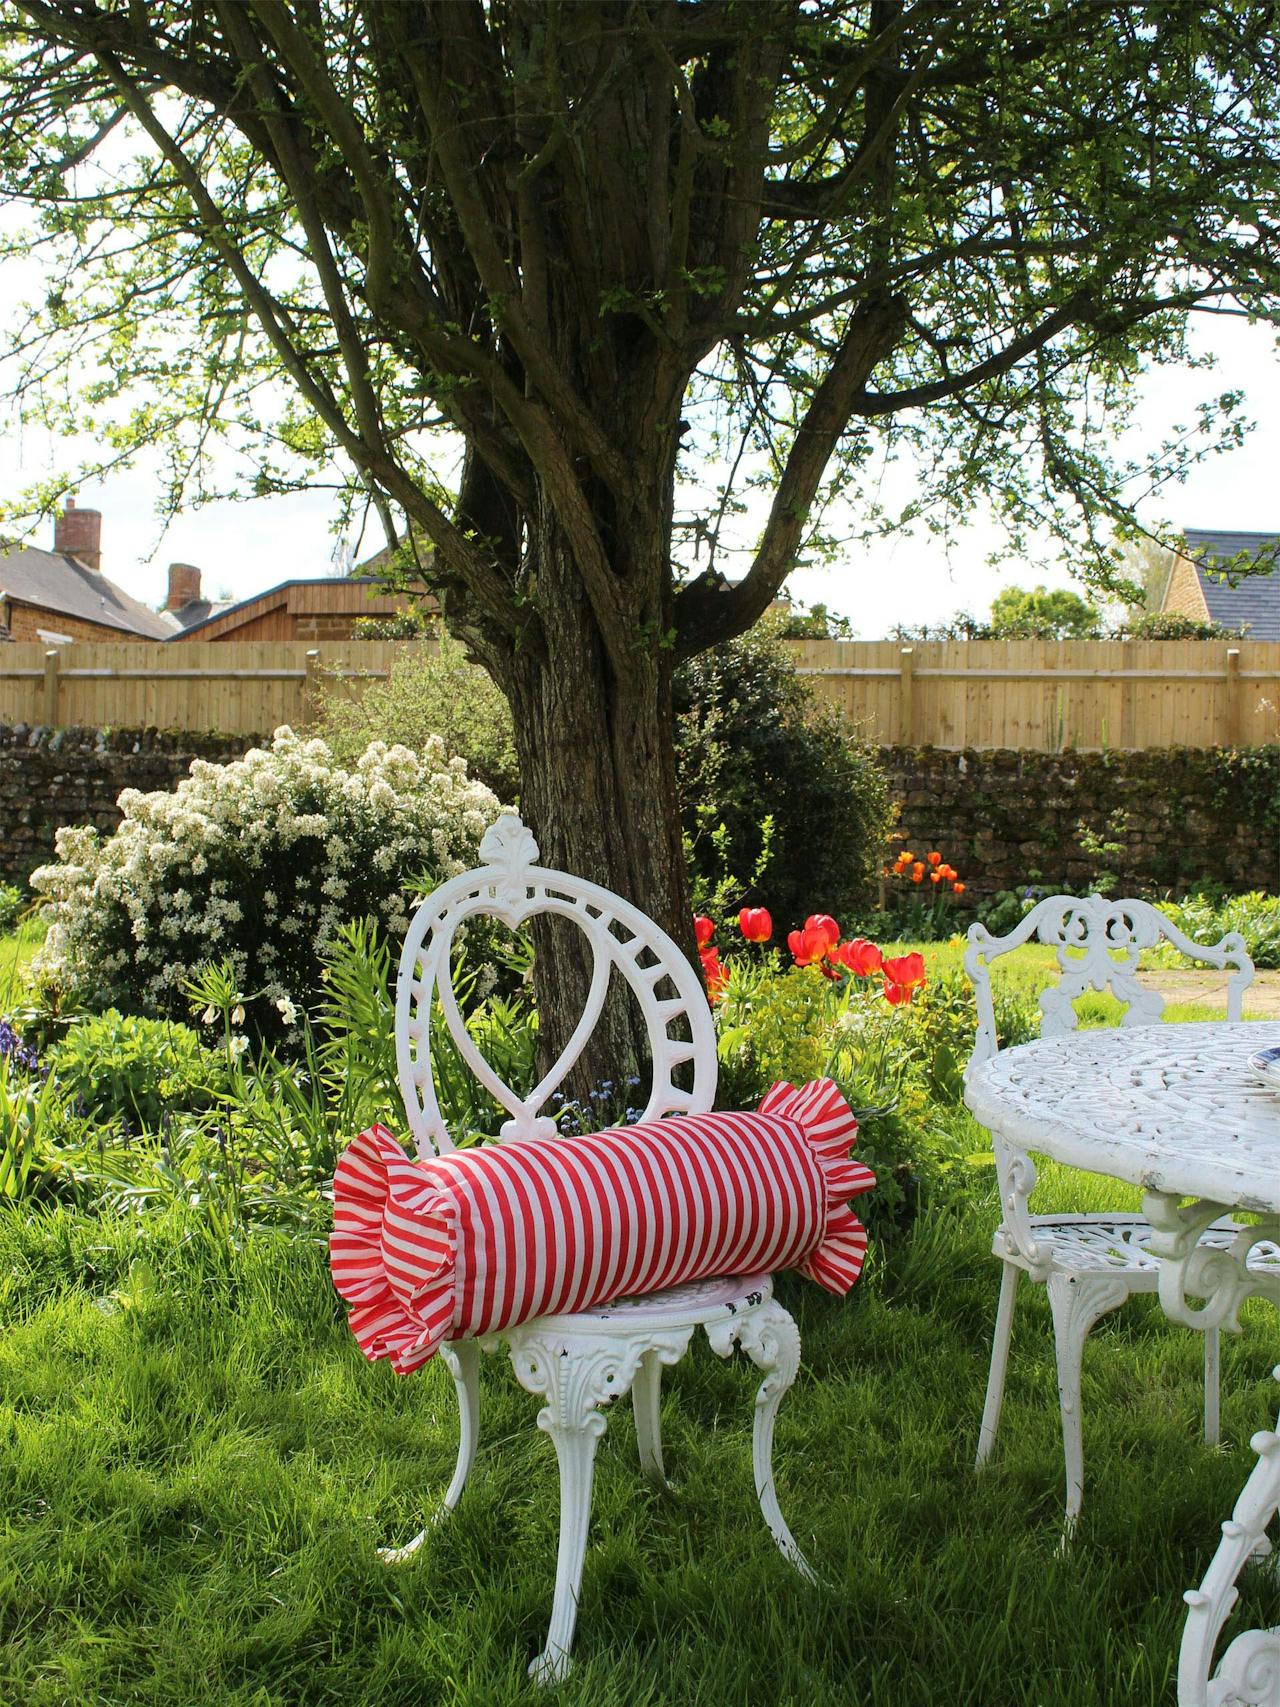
<point>391,1252</point>
<point>829,1127</point>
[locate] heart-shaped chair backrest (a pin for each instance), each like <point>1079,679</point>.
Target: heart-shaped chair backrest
<point>512,887</point>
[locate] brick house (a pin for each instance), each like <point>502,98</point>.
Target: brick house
<point>1195,589</point>
<point>322,609</point>
<point>62,595</point>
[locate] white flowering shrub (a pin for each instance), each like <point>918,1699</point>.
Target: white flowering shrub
<point>256,863</point>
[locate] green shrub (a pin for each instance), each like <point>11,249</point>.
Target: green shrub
<point>258,862</point>
<point>12,901</point>
<point>428,693</point>
<point>1206,917</point>
<point>753,742</point>
<point>122,1068</point>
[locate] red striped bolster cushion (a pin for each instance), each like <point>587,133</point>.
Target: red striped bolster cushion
<point>478,1240</point>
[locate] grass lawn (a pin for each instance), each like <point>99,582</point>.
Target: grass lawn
<point>16,949</point>
<point>196,1466</point>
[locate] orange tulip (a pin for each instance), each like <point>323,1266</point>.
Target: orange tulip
<point>935,877</point>
<point>957,888</point>
<point>917,872</point>
<point>934,858</point>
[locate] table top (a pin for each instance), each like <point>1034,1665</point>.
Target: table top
<point>1173,1108</point>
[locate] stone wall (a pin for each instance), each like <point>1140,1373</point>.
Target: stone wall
<point>50,777</point>
<point>1173,816</point>
<point>1003,819</point>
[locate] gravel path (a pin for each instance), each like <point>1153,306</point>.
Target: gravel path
<point>1261,999</point>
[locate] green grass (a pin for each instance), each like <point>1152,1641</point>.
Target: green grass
<point>196,1466</point>
<point>16,950</point>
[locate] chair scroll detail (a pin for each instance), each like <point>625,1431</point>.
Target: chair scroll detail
<point>513,887</point>
<point>1088,933</point>
<point>1249,1671</point>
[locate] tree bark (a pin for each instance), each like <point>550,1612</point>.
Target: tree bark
<point>598,790</point>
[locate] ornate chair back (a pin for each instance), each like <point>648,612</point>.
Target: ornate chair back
<point>1098,942</point>
<point>512,887</point>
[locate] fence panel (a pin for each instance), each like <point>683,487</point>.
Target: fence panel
<point>1036,694</point>
<point>1051,695</point>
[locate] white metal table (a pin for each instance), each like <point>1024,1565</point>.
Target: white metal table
<point>1177,1111</point>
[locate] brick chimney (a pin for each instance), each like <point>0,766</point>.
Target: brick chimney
<point>184,585</point>
<point>79,534</point>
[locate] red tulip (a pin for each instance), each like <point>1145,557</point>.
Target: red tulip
<point>825,923</point>
<point>703,929</point>
<point>862,957</point>
<point>905,969</point>
<point>713,973</point>
<point>755,924</point>
<point>902,976</point>
<point>808,946</point>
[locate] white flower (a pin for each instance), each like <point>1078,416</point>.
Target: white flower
<point>237,1015</point>
<point>288,1013</point>
<point>237,1046</point>
<point>210,1015</point>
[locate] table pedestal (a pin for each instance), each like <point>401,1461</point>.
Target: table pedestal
<point>1219,1278</point>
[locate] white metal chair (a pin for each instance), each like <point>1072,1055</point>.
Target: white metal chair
<point>579,1363</point>
<point>1089,1264</point>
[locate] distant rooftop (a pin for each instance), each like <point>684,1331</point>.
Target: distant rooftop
<point>1253,603</point>
<point>57,581</point>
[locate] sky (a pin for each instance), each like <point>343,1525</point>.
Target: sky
<point>244,548</point>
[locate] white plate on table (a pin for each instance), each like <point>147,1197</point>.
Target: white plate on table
<point>1266,1064</point>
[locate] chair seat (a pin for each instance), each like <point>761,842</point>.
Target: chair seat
<point>1120,1244</point>
<point>697,1302</point>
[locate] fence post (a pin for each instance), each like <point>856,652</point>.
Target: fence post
<point>1235,699</point>
<point>907,696</point>
<point>51,687</point>
<point>309,687</point>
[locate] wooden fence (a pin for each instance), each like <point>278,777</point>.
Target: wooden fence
<point>1051,695</point>
<point>1091,694</point>
<point>249,687</point>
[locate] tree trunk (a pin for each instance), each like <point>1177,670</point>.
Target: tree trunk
<point>599,793</point>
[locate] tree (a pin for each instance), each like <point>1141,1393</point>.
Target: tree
<point>1019,614</point>
<point>597,239</point>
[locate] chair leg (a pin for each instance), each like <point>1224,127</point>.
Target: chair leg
<point>1212,1389</point>
<point>575,1443</point>
<point>463,1360</point>
<point>646,1403</point>
<point>772,1341</point>
<point>1077,1302</point>
<point>999,1362</point>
